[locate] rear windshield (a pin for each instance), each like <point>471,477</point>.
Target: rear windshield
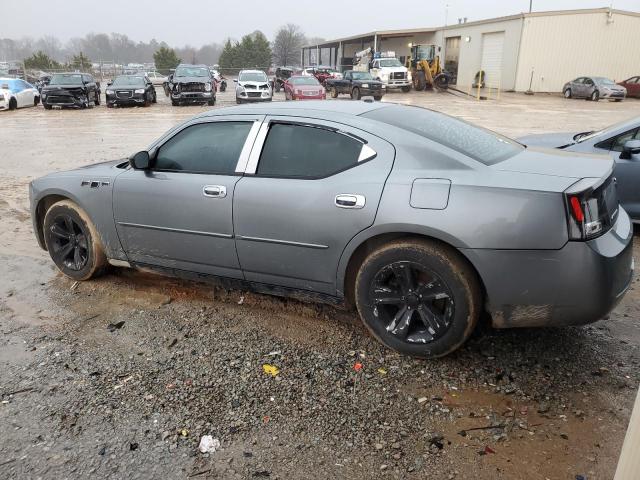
<point>482,145</point>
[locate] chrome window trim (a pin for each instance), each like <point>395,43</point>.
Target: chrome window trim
<point>243,159</point>
<point>367,153</point>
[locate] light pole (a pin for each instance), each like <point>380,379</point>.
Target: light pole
<point>530,5</point>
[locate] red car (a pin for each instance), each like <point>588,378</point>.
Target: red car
<point>632,85</point>
<point>299,87</point>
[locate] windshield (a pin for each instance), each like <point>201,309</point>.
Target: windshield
<point>304,81</point>
<point>390,62</point>
<point>362,76</point>
<point>128,82</point>
<point>426,52</point>
<point>582,137</point>
<point>66,79</point>
<point>192,72</point>
<point>253,77</point>
<point>482,145</point>
<point>603,81</point>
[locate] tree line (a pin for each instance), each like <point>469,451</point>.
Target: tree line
<point>252,50</point>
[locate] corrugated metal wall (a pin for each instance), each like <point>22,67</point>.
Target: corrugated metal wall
<point>559,48</point>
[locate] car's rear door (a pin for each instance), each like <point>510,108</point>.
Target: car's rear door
<point>178,214</point>
<point>310,186</point>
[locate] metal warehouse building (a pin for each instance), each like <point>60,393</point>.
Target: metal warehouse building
<point>541,50</point>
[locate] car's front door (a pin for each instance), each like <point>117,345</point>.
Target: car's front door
<point>178,214</point>
<point>310,186</point>
<point>576,87</point>
<point>627,173</point>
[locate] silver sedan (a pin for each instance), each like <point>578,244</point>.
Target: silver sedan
<point>420,220</point>
<point>594,88</point>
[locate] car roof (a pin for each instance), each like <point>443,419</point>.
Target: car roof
<point>283,108</point>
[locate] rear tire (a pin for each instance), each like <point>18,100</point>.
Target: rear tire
<point>418,297</point>
<point>334,92</point>
<point>72,241</point>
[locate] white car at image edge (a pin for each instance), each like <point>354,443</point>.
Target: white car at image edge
<point>16,93</point>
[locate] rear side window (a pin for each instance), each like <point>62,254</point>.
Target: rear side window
<point>212,148</point>
<point>306,152</point>
<point>482,145</point>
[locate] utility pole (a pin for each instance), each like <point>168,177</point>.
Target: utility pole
<point>530,5</point>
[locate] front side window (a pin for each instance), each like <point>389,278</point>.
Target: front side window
<point>211,148</point>
<point>617,143</point>
<point>301,151</point>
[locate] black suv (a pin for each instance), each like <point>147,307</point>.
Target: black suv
<point>191,84</point>
<point>71,90</point>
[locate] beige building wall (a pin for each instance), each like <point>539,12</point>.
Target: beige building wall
<point>471,50</point>
<point>561,47</point>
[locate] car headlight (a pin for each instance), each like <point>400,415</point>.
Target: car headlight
<point>207,87</point>
<point>384,76</point>
<point>409,76</point>
<point>109,92</point>
<point>139,90</point>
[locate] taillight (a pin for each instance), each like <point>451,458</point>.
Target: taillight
<point>592,207</point>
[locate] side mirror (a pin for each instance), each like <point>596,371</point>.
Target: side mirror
<point>631,150</point>
<point>109,84</point>
<point>235,80</point>
<point>140,160</point>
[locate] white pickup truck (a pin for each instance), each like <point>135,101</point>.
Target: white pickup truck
<point>391,72</point>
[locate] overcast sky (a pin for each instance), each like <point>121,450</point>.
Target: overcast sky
<point>205,21</point>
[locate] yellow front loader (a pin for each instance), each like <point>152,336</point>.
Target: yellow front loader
<point>426,69</point>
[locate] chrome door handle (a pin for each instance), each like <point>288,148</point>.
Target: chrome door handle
<point>350,200</point>
<point>215,191</point>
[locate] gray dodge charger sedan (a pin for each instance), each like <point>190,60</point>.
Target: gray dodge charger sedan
<point>420,220</point>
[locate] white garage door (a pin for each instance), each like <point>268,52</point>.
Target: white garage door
<point>492,47</point>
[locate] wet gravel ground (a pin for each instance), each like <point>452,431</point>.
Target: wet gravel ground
<point>121,377</point>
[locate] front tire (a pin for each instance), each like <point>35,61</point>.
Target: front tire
<point>355,94</point>
<point>406,89</point>
<point>334,92</point>
<point>72,241</point>
<point>13,104</point>
<point>418,297</point>
<point>96,100</point>
<point>567,93</point>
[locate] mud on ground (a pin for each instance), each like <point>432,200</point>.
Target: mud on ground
<point>82,398</point>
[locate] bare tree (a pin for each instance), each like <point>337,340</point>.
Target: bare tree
<point>287,45</point>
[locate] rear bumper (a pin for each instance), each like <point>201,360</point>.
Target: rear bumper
<point>578,284</point>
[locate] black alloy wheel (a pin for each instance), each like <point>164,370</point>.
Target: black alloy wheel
<point>413,303</point>
<point>68,243</point>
